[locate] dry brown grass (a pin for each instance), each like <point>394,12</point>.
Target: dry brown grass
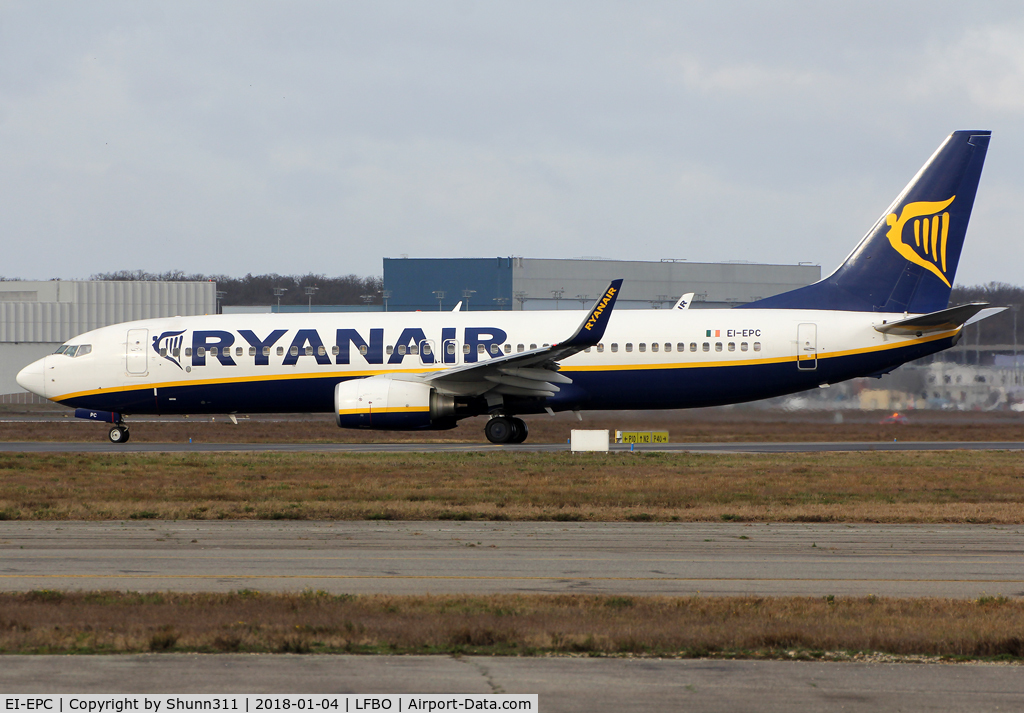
<point>110,622</point>
<point>957,486</point>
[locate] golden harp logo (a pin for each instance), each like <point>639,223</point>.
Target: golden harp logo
<point>930,230</point>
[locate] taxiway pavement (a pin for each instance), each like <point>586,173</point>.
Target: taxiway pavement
<point>587,685</point>
<point>794,447</point>
<point>515,557</point>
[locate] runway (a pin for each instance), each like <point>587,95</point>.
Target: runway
<point>793,447</point>
<point>565,684</point>
<point>474,557</point>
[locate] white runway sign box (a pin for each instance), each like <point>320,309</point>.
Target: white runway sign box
<point>588,441</point>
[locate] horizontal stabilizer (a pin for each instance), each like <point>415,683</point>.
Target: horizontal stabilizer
<point>941,321</point>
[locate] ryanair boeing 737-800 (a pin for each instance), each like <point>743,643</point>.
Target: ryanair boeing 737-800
<point>887,304</point>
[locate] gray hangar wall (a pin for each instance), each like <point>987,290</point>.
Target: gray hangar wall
<point>520,283</point>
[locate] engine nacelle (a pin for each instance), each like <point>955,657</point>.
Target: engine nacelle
<point>390,404</point>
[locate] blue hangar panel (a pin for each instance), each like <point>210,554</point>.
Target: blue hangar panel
<point>441,283</point>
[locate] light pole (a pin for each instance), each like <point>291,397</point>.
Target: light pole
<point>466,294</point>
<point>521,297</point>
<point>439,296</point>
<point>501,301</point>
<point>278,291</point>
<point>310,291</point>
<point>385,294</point>
<point>557,294</point>
<point>220,296</point>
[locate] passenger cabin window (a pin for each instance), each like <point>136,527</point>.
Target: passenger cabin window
<point>693,347</point>
<point>718,346</point>
<point>266,351</point>
<point>188,351</point>
<point>213,351</point>
<point>757,346</point>
<point>743,346</point>
<point>293,350</point>
<point>450,349</point>
<point>587,350</point>
<point>201,351</point>
<point>600,347</point>
<point>465,349</point>
<point>495,349</point>
<point>335,350</point>
<point>615,346</point>
<point>308,350</point>
<point>401,349</point>
<point>238,351</point>
<point>629,346</point>
<point>414,350</point>
<point>732,346</point>
<point>668,346</point>
<point>533,346</point>
<point>362,349</point>
<point>508,348</point>
<point>643,346</point>
<point>706,347</point>
<point>280,351</point>
<point>520,348</point>
<point>163,351</point>
<point>480,349</point>
<point>654,347</point>
<point>176,351</point>
<point>252,351</point>
<point>427,351</point>
<point>390,349</point>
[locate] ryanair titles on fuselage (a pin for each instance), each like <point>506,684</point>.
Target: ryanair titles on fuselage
<point>220,344</point>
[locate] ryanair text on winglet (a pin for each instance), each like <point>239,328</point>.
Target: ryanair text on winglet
<point>600,308</point>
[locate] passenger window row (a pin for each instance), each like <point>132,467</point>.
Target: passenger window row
<point>413,350</point>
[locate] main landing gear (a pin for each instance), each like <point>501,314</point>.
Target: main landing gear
<point>506,429</point>
<point>118,434</point>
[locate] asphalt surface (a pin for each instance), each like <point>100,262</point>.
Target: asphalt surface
<point>586,685</point>
<point>796,447</point>
<point>476,557</point>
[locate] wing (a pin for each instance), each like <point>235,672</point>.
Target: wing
<point>533,372</point>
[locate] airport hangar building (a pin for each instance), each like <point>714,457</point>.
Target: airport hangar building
<point>519,283</point>
<point>37,317</point>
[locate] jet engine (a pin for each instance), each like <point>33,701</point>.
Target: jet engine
<point>391,404</point>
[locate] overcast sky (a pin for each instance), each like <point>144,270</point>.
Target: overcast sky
<point>235,137</point>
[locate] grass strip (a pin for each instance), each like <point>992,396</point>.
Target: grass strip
<point>51,622</point>
<point>892,487</point>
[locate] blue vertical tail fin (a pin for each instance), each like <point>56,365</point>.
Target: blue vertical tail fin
<point>908,260</point>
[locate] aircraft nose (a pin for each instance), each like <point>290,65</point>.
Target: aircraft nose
<point>32,378</point>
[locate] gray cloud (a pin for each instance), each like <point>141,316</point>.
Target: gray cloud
<point>253,137</point>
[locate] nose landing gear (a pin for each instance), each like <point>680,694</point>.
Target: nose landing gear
<point>506,429</point>
<point>118,434</point>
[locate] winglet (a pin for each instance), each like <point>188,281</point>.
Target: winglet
<point>591,330</point>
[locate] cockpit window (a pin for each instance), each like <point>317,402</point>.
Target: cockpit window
<point>73,350</point>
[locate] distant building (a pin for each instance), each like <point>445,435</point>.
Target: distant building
<point>519,283</point>
<point>37,317</point>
